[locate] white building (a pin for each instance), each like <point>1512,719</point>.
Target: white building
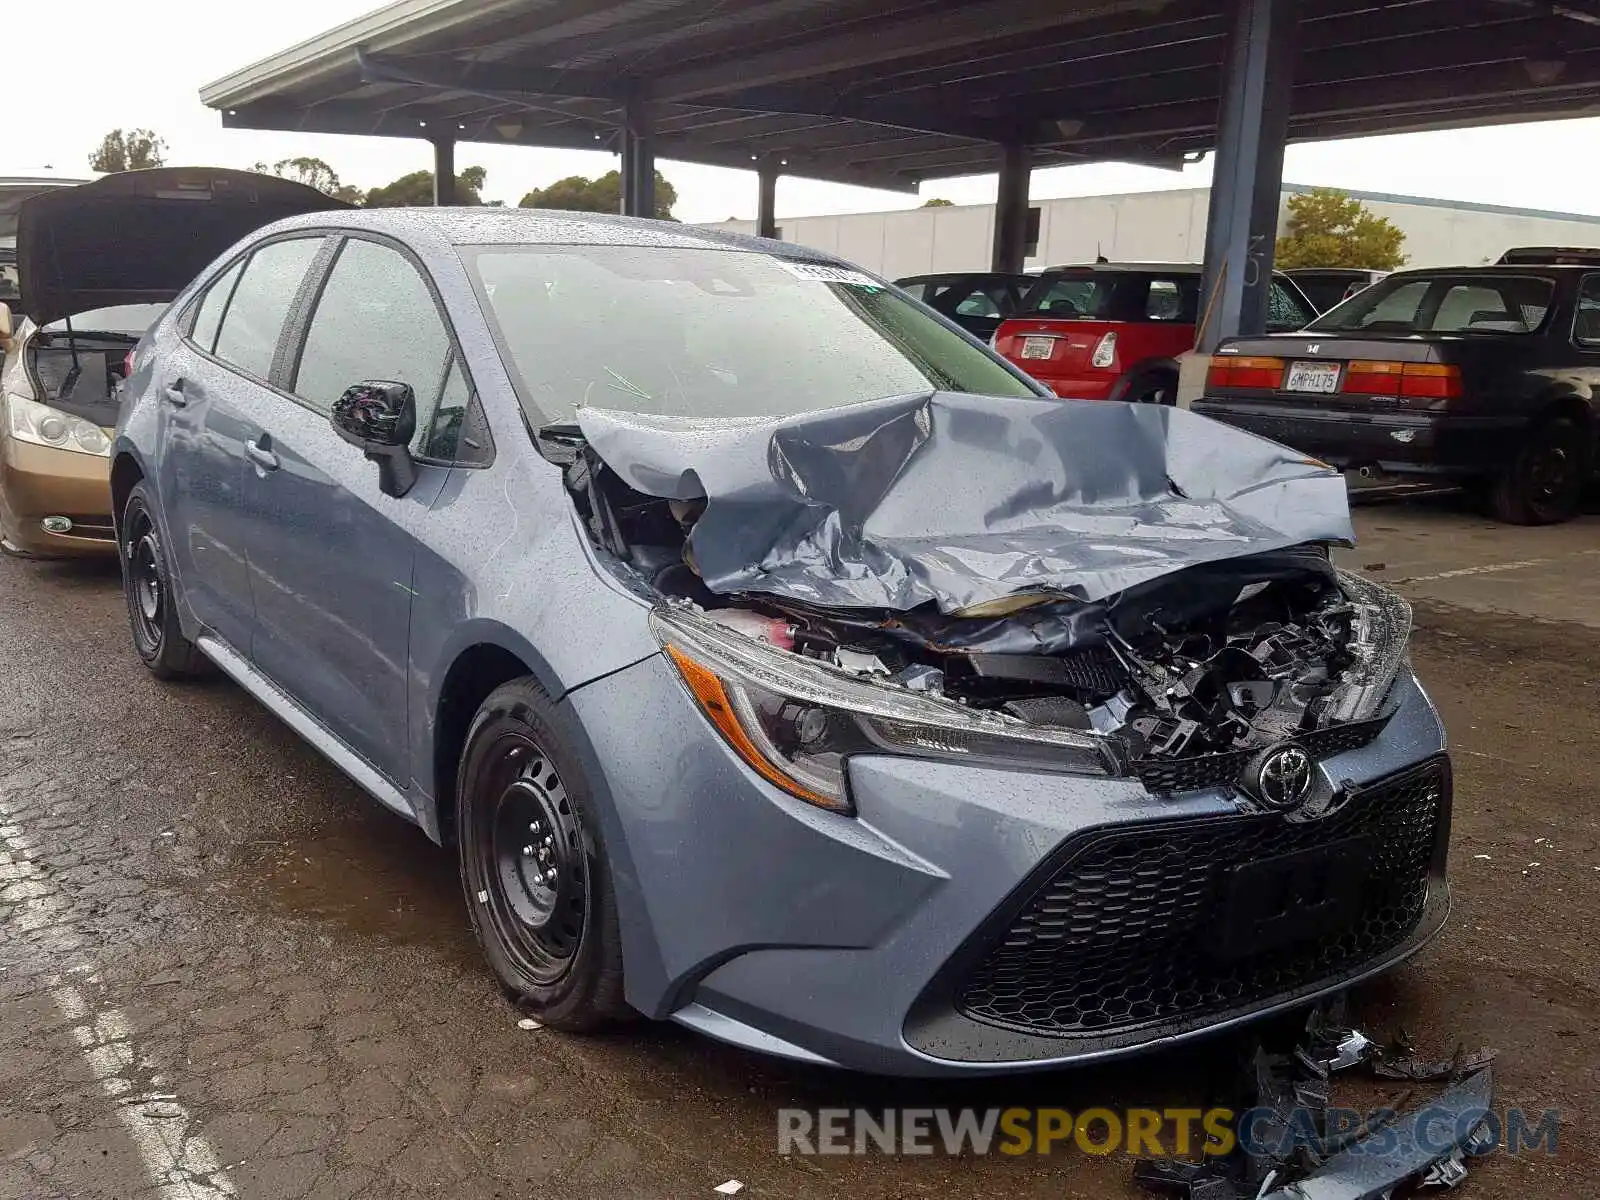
<point>1156,227</point>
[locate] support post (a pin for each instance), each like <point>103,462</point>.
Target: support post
<point>767,200</point>
<point>1011,209</point>
<point>1247,183</point>
<point>444,170</point>
<point>638,160</point>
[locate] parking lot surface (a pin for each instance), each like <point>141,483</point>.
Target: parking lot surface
<point>225,972</point>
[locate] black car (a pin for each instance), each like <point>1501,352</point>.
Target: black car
<point>1327,286</point>
<point>976,302</point>
<point>1483,375</point>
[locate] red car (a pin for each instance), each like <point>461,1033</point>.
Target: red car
<point>1113,331</point>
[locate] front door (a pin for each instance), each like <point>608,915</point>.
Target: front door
<point>208,386</point>
<point>331,556</point>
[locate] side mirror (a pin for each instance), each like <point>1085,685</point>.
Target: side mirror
<point>379,417</point>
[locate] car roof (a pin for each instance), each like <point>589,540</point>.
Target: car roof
<point>493,226</point>
<point>1496,269</point>
<point>1164,268</point>
<point>931,275</point>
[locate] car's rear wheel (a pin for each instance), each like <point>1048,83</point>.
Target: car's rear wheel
<point>147,586</point>
<point>1544,483</point>
<point>533,863</point>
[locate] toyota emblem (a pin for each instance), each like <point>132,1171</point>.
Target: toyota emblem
<point>1283,778</point>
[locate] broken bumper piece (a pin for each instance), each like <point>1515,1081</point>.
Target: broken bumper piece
<point>1427,1145</point>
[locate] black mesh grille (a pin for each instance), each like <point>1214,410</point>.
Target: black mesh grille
<point>1127,931</point>
<point>1224,770</point>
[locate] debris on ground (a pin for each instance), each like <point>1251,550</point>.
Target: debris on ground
<point>529,1023</point>
<point>1290,1152</point>
<point>732,1187</point>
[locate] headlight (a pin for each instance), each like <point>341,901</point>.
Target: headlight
<point>796,720</point>
<point>44,426</point>
<point>1379,640</point>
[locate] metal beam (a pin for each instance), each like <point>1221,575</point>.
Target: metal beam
<point>513,128</point>
<point>445,74</point>
<point>514,84</point>
<point>890,40</point>
<point>767,200</point>
<point>638,160</point>
<point>1247,183</point>
<point>444,171</point>
<point>1011,210</point>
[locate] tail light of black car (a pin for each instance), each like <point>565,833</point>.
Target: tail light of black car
<point>1361,377</point>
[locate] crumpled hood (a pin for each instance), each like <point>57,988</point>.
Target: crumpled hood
<point>961,499</point>
<point>139,237</point>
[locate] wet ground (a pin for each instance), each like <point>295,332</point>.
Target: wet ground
<point>223,971</point>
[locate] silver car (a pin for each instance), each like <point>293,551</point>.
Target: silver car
<point>776,659</point>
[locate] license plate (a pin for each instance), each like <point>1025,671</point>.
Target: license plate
<point>1038,347</point>
<point>1313,377</point>
<point>1295,897</point>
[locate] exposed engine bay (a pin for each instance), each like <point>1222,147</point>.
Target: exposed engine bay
<point>1215,658</point>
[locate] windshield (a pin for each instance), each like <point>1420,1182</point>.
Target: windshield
<point>712,333</point>
<point>1461,304</point>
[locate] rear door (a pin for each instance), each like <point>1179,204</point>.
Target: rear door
<point>332,556</point>
<point>215,376</point>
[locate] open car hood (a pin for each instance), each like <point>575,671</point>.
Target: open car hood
<point>964,500</point>
<point>139,237</point>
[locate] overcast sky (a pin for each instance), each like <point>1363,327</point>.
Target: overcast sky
<point>76,70</point>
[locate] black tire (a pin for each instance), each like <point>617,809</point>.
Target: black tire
<point>1544,483</point>
<point>524,807</point>
<point>1156,387</point>
<point>147,587</point>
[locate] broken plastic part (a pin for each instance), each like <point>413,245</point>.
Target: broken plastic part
<point>1409,1149</point>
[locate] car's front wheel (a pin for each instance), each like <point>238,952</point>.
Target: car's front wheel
<point>147,586</point>
<point>533,863</point>
<point>1544,483</point>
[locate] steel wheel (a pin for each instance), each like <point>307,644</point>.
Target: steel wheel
<point>534,855</point>
<point>147,591</point>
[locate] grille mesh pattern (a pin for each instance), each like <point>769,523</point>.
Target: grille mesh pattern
<point>1124,934</point>
<point>1224,770</point>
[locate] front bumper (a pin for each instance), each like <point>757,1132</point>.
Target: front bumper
<point>1396,442</point>
<point>774,925</point>
<point>38,482</point>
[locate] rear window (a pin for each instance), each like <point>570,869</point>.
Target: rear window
<point>1458,304</point>
<point>1091,296</point>
<point>1114,296</point>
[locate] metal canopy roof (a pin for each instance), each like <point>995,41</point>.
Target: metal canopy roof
<point>860,91</point>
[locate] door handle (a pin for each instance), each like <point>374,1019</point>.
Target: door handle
<point>174,394</point>
<point>261,456</point>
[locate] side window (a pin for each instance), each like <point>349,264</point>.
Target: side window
<point>1284,310</point>
<point>1161,304</point>
<point>254,319</point>
<point>441,438</point>
<point>376,319</point>
<point>1586,327</point>
<point>208,315</point>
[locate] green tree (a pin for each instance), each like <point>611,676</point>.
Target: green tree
<point>313,172</point>
<point>416,190</point>
<point>578,193</point>
<point>937,202</point>
<point>1330,229</point>
<point>133,150</point>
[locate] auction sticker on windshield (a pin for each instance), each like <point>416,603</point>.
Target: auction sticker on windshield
<point>1313,377</point>
<point>824,273</point>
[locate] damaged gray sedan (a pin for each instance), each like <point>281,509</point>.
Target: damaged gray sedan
<point>777,659</point>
